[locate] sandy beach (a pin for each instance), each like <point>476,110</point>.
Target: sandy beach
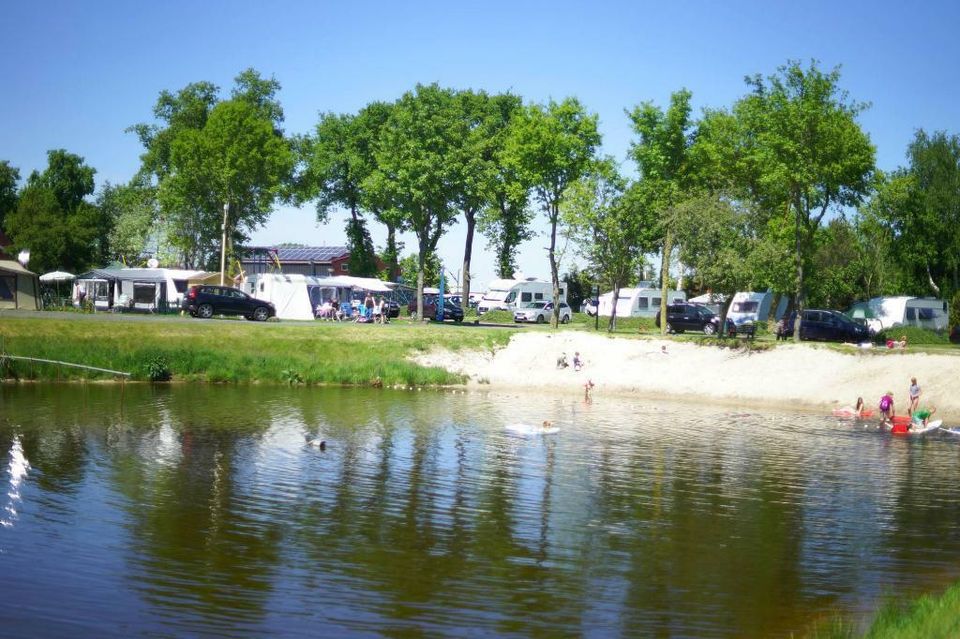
<point>806,376</point>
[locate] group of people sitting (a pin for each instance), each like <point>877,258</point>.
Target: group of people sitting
<point>368,311</point>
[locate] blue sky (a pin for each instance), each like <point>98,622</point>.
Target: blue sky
<point>76,74</point>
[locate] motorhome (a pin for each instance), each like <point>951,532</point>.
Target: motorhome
<point>508,295</point>
<point>881,313</point>
<point>749,306</point>
<point>640,301</point>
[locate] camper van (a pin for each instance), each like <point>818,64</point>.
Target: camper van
<point>881,313</point>
<point>508,295</point>
<point>640,301</point>
<point>754,307</point>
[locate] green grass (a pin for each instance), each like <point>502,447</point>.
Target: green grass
<point>926,617</point>
<point>232,352</point>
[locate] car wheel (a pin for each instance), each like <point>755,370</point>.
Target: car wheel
<point>261,314</point>
<point>709,329</point>
<point>540,319</point>
<point>669,327</point>
<point>564,319</point>
<point>205,311</point>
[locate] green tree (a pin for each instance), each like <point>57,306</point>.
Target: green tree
<point>54,220</point>
<point>132,211</point>
<point>415,175</point>
<point>801,151</point>
<point>410,266</point>
<point>339,160</point>
<point>219,166</point>
<point>667,167</point>
<point>9,179</point>
<point>715,239</point>
<point>608,229</point>
<point>929,225</point>
<point>505,221</point>
<point>551,147</point>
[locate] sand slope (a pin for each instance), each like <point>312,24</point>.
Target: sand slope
<point>801,375</point>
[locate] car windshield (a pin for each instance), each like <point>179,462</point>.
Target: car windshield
<point>535,305</point>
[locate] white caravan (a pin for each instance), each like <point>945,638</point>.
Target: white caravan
<point>754,307</point>
<point>508,295</point>
<point>297,296</point>
<point>880,313</point>
<point>641,301</point>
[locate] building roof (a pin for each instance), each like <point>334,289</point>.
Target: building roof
<point>14,267</point>
<point>307,255</point>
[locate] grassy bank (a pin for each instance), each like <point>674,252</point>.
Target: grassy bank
<point>927,617</point>
<point>236,351</point>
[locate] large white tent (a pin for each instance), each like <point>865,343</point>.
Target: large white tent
<point>296,296</point>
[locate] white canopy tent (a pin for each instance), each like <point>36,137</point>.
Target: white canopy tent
<point>296,296</point>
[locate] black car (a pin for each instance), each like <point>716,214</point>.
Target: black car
<point>828,326</point>
<point>955,335</point>
<point>450,309</point>
<point>691,317</point>
<point>206,301</point>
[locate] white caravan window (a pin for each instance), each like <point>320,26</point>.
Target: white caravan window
<point>655,301</point>
<point>538,296</point>
<point>745,307</point>
<point>643,302</point>
<point>526,297</point>
<point>911,313</point>
<point>144,293</point>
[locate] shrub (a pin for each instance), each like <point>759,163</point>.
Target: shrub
<point>955,310</point>
<point>157,369</point>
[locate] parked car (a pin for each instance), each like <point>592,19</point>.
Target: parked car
<point>830,326</point>
<point>692,317</point>
<point>541,312</point>
<point>450,309</point>
<point>394,309</point>
<point>206,301</point>
<point>955,335</point>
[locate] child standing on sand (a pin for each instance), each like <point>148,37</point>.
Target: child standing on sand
<point>914,396</point>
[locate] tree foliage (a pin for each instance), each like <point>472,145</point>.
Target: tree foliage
<point>551,147</point>
<point>800,150</point>
<point>9,178</point>
<point>214,154</point>
<point>55,221</point>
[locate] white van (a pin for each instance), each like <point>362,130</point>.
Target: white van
<point>749,306</point>
<point>640,301</point>
<point>881,313</point>
<point>508,295</point>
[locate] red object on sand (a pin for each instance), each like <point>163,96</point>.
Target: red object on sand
<point>900,428</point>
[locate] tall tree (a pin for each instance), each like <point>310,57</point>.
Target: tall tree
<point>667,168</point>
<point>608,229</point>
<point>55,221</point>
<point>219,166</point>
<point>505,221</point>
<point>802,152</point>
<point>9,179</point>
<point>552,146</point>
<point>339,160</point>
<point>415,175</point>
<point>929,225</point>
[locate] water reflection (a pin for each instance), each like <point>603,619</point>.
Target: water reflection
<point>208,512</point>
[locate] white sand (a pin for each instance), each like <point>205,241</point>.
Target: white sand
<point>803,376</point>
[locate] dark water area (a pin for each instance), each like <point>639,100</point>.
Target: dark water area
<point>205,511</point>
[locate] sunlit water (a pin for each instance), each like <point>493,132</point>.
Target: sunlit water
<point>144,511</point>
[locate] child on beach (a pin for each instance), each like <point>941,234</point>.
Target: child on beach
<point>577,362</point>
<point>922,415</point>
<point>914,396</point>
<point>886,408</point>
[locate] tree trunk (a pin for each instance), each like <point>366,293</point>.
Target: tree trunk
<point>798,284</point>
<point>467,257</point>
<point>612,324</point>
<point>393,267</point>
<point>933,285</point>
<point>665,279</point>
<point>554,217</point>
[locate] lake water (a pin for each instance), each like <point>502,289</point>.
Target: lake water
<point>203,511</point>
